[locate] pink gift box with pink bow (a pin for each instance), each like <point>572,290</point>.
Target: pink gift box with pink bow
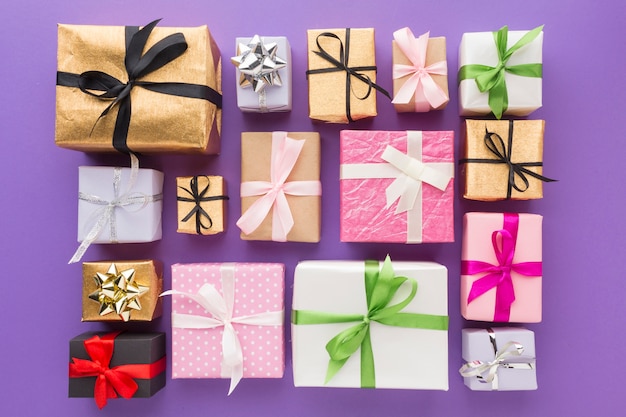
<point>227,321</point>
<point>397,186</point>
<point>501,267</point>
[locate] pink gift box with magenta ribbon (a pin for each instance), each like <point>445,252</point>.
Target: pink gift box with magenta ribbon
<point>501,267</point>
<point>227,321</point>
<point>397,187</point>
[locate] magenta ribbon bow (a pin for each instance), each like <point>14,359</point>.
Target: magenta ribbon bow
<point>499,276</point>
<point>285,153</point>
<point>427,93</point>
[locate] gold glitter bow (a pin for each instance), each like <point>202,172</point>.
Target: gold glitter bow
<point>117,292</point>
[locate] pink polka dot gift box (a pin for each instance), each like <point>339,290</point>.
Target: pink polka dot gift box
<point>227,321</point>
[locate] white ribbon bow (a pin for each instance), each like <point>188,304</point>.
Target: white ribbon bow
<point>221,306</point>
<point>487,372</point>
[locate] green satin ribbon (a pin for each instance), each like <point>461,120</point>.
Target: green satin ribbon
<point>492,78</point>
<point>380,288</point>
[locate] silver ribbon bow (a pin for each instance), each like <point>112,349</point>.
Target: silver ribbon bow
<point>487,372</point>
<point>106,214</point>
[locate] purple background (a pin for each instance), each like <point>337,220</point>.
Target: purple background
<point>581,339</point>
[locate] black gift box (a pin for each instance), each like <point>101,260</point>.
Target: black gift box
<point>129,348</point>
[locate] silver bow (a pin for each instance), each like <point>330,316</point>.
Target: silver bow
<point>258,64</point>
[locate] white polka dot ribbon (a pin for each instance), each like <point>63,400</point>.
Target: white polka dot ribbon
<point>220,308</point>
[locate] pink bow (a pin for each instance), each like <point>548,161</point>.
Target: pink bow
<point>427,93</point>
<point>499,276</point>
<point>285,153</point>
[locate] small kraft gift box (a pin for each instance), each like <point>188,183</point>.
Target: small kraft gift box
<point>501,267</point>
<point>342,74</point>
<point>171,75</point>
<point>503,160</point>
<point>110,365</point>
<point>397,187</point>
<point>499,359</point>
<point>501,72</point>
<point>420,72</point>
<point>122,290</point>
<point>370,324</point>
<point>201,203</point>
<point>280,186</point>
<point>263,74</point>
<point>227,321</point>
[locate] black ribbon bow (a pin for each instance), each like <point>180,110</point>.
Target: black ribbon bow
<point>341,64</point>
<point>503,156</point>
<point>197,198</point>
<point>137,66</point>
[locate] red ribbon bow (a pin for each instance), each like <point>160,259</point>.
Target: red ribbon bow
<point>499,276</point>
<point>111,382</point>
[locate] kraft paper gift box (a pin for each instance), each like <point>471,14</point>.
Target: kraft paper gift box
<point>335,96</point>
<point>500,72</point>
<point>134,364</point>
<point>280,186</point>
<point>501,267</point>
<point>420,72</point>
<point>499,359</point>
<point>115,206</point>
<point>333,301</point>
<point>176,102</point>
<point>503,160</point>
<point>267,89</point>
<point>384,195</point>
<point>227,320</point>
<point>116,291</point>
<point>201,204</point>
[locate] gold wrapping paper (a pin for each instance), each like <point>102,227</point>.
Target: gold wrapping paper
<point>148,273</point>
<point>256,148</point>
<point>489,182</point>
<point>435,52</point>
<point>159,122</point>
<point>327,92</point>
<point>216,209</point>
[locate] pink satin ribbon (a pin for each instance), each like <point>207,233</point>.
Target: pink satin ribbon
<point>499,276</point>
<point>285,153</point>
<point>427,93</point>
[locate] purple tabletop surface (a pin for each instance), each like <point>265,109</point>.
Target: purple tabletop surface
<point>581,338</point>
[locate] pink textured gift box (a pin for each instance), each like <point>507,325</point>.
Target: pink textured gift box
<point>200,299</point>
<point>501,271</point>
<point>397,186</point>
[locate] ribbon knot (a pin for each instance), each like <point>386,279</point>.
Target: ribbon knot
<point>420,84</point>
<point>342,64</point>
<point>285,153</point>
<point>381,285</point>
<point>137,65</point>
<point>198,197</point>
<point>492,79</point>
<point>220,307</point>
<point>502,155</point>
<point>499,276</point>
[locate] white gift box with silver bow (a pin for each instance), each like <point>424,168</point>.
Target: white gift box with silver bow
<point>273,98</point>
<point>137,216</point>
<point>514,372</point>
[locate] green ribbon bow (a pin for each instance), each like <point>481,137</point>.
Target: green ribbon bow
<point>492,78</point>
<point>380,288</point>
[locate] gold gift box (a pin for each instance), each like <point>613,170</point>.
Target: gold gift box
<point>327,91</point>
<point>159,122</point>
<point>148,273</point>
<point>435,52</point>
<point>216,209</point>
<point>256,150</point>
<point>489,182</point>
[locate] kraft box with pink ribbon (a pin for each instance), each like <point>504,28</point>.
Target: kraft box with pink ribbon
<point>227,321</point>
<point>501,267</point>
<point>397,187</point>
